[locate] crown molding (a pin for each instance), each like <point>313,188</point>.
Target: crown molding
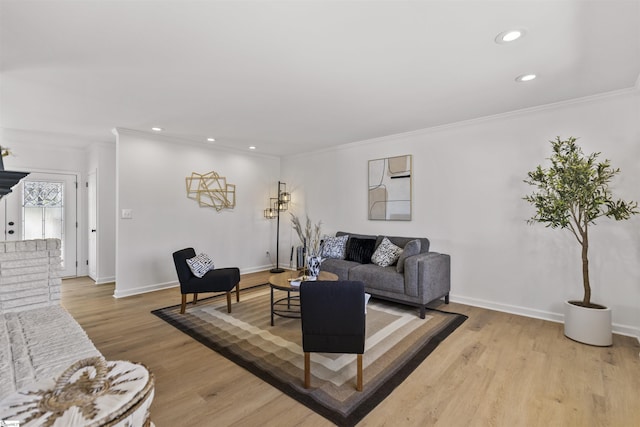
<point>185,140</point>
<point>47,140</point>
<point>471,122</point>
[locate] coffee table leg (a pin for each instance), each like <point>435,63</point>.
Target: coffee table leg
<point>271,306</point>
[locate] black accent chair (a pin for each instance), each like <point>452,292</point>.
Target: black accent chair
<point>333,321</point>
<point>217,280</point>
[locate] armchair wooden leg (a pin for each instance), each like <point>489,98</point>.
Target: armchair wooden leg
<point>228,302</point>
<point>195,299</point>
<point>184,303</point>
<point>359,380</point>
<point>307,370</point>
<point>238,292</point>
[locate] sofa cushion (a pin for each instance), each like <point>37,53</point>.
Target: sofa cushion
<point>335,247</point>
<point>378,278</point>
<point>338,266</point>
<point>200,264</point>
<point>410,249</point>
<point>386,254</point>
<point>360,250</point>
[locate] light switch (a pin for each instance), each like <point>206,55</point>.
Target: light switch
<point>127,213</point>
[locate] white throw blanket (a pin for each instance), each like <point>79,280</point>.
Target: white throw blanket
<point>39,344</point>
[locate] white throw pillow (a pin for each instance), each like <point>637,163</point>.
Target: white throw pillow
<point>334,247</point>
<point>386,254</point>
<point>200,264</point>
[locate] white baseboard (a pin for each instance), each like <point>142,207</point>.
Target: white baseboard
<point>144,289</point>
<point>103,280</point>
<point>160,286</point>
<point>627,330</point>
<point>256,269</point>
<point>476,302</point>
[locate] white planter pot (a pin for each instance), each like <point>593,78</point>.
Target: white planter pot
<point>588,325</point>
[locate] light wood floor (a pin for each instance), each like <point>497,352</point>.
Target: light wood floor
<point>497,369</point>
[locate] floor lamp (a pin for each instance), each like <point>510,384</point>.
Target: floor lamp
<point>277,205</point>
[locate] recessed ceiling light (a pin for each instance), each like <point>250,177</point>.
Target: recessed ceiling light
<point>157,129</point>
<point>252,147</point>
<point>211,139</point>
<point>525,78</point>
<point>509,36</point>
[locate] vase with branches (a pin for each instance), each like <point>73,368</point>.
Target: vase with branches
<point>310,237</point>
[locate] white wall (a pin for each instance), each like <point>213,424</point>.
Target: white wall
<point>467,199</point>
<point>151,174</point>
<point>102,161</point>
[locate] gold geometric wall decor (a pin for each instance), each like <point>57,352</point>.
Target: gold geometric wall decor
<point>211,190</point>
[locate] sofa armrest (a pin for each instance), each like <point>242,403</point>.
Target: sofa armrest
<point>428,276</point>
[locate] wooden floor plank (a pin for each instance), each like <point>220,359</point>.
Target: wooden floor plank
<point>497,369</point>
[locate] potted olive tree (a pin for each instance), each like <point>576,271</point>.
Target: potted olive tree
<point>571,194</point>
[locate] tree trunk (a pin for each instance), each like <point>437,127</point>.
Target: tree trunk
<point>585,270</point>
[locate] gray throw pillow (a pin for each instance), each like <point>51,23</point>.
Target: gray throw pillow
<point>410,249</point>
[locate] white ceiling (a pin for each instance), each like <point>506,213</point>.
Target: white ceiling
<point>292,77</point>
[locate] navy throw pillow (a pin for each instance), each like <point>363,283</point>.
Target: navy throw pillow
<point>360,250</point>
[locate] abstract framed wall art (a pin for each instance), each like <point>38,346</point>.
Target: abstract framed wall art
<point>390,188</point>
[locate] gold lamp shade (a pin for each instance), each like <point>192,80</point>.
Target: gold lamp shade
<point>270,213</point>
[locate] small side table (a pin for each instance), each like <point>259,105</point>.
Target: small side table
<point>289,306</point>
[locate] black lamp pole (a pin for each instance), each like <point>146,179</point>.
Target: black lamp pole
<point>280,204</point>
<point>277,269</point>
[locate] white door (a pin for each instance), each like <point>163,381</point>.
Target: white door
<point>92,213</point>
<point>43,205</point>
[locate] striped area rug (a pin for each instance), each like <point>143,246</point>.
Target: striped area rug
<point>397,342</point>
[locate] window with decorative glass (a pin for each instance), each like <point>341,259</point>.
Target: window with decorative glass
<point>43,210</point>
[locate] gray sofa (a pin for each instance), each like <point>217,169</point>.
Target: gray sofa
<point>419,278</point>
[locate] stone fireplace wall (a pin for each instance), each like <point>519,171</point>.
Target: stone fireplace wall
<point>29,274</point>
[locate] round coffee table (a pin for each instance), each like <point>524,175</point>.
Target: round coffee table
<point>289,306</point>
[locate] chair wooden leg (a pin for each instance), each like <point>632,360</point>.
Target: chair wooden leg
<point>228,302</point>
<point>184,303</point>
<point>195,299</point>
<point>307,370</point>
<point>238,292</point>
<point>359,380</point>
